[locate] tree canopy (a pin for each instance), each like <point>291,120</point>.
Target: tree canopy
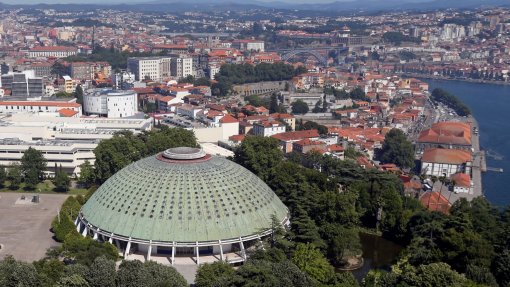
<point>397,149</point>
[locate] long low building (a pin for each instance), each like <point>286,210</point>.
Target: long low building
<point>63,141</point>
<point>446,162</point>
<point>65,154</point>
<point>64,108</point>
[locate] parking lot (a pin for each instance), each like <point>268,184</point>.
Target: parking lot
<point>25,226</point>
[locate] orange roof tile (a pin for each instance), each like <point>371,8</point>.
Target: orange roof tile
<point>67,113</point>
<point>450,156</point>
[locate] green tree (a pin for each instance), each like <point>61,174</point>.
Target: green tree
<point>269,274</point>
<point>78,94</point>
<point>273,104</point>
<point>33,165</point>
<point>61,180</point>
<point>311,261</point>
<point>397,149</point>
<point>501,268</point>
<point>14,175</point>
<point>344,245</point>
<point>158,141</point>
<point>117,152</point>
<point>49,270</point>
<point>74,280</point>
<point>17,274</point>
<point>58,69</point>
<point>3,176</point>
<point>209,275</point>
<point>161,275</point>
<point>299,107</point>
<point>87,175</point>
<point>259,154</point>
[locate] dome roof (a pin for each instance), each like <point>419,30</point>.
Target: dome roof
<point>183,195</point>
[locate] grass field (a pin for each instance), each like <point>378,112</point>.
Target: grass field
<point>46,187</point>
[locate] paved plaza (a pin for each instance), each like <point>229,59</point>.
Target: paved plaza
<point>25,226</point>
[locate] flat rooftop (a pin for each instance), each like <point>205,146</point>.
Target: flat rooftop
<point>25,227</point>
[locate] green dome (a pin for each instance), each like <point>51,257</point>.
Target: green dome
<point>183,195</point>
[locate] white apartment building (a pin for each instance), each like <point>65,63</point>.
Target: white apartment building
<point>268,128</point>
<point>153,68</point>
<point>181,66</point>
<point>110,103</point>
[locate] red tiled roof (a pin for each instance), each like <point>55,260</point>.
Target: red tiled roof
<point>450,156</point>
<point>296,135</point>
<point>434,201</point>
<point>461,179</point>
<point>237,138</point>
<point>228,119</point>
<point>447,133</point>
<point>67,112</point>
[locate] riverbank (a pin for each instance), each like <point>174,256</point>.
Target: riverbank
<point>440,78</point>
<point>489,105</point>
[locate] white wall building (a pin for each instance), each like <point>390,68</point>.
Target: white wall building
<point>13,107</point>
<point>52,51</point>
<point>63,141</point>
<point>154,68</point>
<point>267,128</point>
<point>181,66</point>
<point>110,103</point>
<point>445,162</point>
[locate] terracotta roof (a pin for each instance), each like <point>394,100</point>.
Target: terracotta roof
<point>296,135</point>
<point>228,119</point>
<point>53,49</point>
<point>40,104</point>
<point>434,201</point>
<point>447,133</point>
<point>237,138</point>
<point>67,113</point>
<point>461,179</point>
<point>450,156</point>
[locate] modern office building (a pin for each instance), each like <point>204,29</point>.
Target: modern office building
<point>153,68</point>
<point>182,203</point>
<point>181,66</point>
<point>23,85</point>
<point>110,103</point>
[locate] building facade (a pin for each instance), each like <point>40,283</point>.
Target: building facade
<point>110,103</point>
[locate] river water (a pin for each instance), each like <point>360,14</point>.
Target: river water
<point>490,105</point>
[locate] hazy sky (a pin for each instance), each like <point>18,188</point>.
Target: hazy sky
<point>141,1</point>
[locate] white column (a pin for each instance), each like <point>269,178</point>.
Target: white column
<point>78,226</point>
<point>85,231</point>
<point>77,220</point>
<point>221,251</point>
<point>95,234</point>
<point>173,253</point>
<point>243,252</point>
<point>128,246</point>
<point>149,250</point>
<point>198,256</point>
<point>111,238</point>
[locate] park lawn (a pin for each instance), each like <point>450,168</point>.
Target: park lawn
<point>43,187</point>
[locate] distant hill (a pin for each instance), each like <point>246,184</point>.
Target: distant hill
<point>227,5</point>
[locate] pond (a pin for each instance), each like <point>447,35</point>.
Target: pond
<point>378,253</point>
